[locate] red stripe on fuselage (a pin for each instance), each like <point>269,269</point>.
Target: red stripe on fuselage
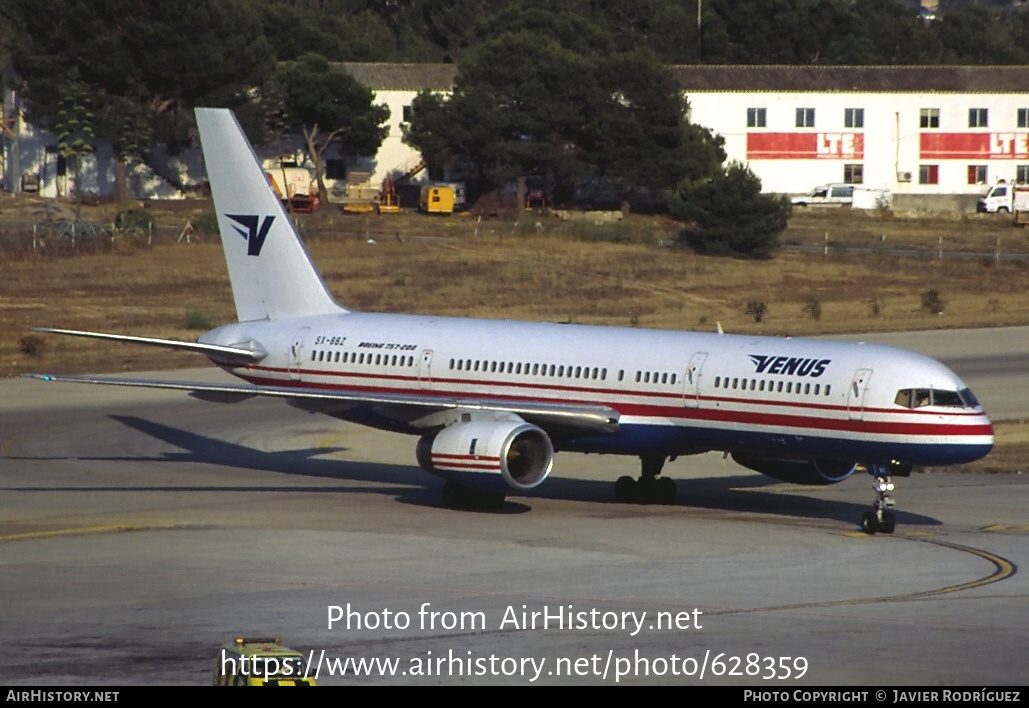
<point>677,411</point>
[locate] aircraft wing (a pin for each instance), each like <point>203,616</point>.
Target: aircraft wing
<point>583,419</point>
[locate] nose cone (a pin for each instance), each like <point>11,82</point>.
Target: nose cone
<point>975,441</point>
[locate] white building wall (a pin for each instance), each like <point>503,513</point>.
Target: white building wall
<point>891,140</point>
<point>394,158</point>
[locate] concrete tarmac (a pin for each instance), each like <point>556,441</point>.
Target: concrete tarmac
<point>139,530</point>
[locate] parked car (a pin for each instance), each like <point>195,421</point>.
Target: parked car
<point>828,195</point>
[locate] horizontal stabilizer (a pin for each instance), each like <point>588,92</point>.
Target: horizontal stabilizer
<point>232,354</point>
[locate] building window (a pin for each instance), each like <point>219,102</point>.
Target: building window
<point>928,174</point>
<point>977,174</point>
<point>1023,117</point>
<point>407,113</point>
<point>805,117</point>
<point>854,174</point>
<point>756,117</point>
<point>854,118</point>
<point>929,118</point>
<point>1022,174</point>
<point>978,118</point>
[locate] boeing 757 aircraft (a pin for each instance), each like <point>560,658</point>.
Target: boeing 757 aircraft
<point>491,401</point>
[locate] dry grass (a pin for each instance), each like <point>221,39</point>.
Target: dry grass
<point>608,274</point>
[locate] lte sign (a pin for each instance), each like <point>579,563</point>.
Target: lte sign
<point>805,146</point>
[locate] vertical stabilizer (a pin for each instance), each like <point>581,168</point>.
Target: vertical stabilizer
<point>271,272</point>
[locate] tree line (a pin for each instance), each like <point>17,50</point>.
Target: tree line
<point>573,93</point>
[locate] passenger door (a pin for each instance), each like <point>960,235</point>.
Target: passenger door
<point>691,380</point>
<point>296,353</point>
<point>425,369</point>
<point>856,394</point>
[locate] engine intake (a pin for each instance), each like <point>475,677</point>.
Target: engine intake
<point>489,455</point>
<point>798,471</point>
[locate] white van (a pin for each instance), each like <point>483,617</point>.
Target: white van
<point>1000,198</point>
<point>828,195</point>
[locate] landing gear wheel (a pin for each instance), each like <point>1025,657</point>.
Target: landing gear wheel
<point>880,518</point>
<point>646,490</point>
<point>888,522</point>
<point>869,522</point>
<point>649,487</point>
<point>625,490</point>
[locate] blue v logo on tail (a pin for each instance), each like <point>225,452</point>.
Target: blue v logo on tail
<point>255,234</point>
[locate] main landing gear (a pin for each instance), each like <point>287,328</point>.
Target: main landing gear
<point>649,488</point>
<point>880,518</point>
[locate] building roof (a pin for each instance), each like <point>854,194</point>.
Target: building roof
<point>860,79</point>
<point>385,76</point>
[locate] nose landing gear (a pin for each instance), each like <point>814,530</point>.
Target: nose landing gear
<point>880,518</point>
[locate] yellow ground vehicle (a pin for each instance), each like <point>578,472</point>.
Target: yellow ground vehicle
<point>259,661</point>
<point>436,199</point>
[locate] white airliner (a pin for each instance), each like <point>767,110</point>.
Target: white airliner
<point>493,400</point>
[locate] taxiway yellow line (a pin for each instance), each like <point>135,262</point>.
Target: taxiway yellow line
<point>64,532</point>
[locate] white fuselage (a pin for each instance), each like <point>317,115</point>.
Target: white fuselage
<point>675,392</point>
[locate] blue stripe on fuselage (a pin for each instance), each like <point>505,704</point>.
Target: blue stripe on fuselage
<point>668,440</point>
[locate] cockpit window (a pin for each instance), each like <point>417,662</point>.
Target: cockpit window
<point>969,400</point>
<point>919,397</point>
<point>951,399</point>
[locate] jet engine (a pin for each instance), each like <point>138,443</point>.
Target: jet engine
<point>798,470</point>
<point>489,455</point>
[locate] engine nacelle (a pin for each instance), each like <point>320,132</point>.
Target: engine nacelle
<point>798,470</point>
<point>489,455</point>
